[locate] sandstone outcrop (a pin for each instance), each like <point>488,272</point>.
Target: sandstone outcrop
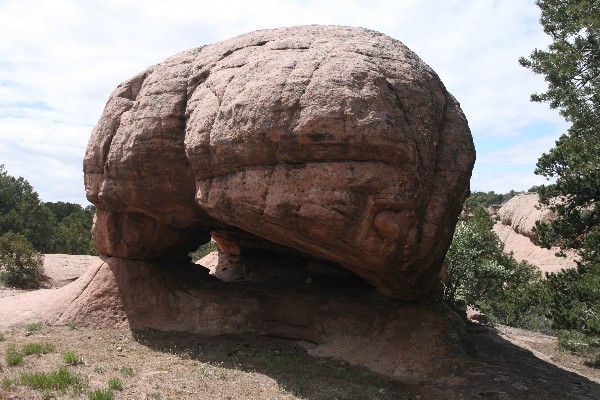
<point>522,212</point>
<point>333,143</point>
<point>515,229</point>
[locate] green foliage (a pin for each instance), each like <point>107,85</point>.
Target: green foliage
<point>13,357</point>
<point>20,264</point>
<point>101,394</point>
<point>50,227</point>
<point>594,362</point>
<point>576,340</point>
<point>1,337</point>
<point>22,212</point>
<point>115,384</point>
<point>33,327</point>
<point>487,199</point>
<point>60,380</point>
<point>203,250</point>
<point>7,383</point>
<point>485,278</point>
<point>127,371</point>
<point>99,369</point>
<point>71,358</point>
<point>73,233</point>
<point>574,298</point>
<point>571,68</point>
<point>37,348</point>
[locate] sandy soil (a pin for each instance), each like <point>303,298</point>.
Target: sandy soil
<point>62,269</point>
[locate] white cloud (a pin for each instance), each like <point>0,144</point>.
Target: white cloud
<point>60,60</point>
<point>504,182</point>
<point>520,154</point>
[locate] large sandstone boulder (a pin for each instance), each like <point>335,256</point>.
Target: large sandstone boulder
<point>335,143</point>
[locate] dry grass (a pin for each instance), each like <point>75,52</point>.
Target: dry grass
<point>155,365</point>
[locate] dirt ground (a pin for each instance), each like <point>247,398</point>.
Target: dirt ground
<point>508,363</point>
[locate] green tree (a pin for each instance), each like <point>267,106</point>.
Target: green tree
<point>485,200</point>
<point>74,231</point>
<point>571,68</point>
<point>20,264</point>
<point>50,227</point>
<point>21,211</point>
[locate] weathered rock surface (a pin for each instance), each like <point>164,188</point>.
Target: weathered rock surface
<point>522,212</point>
<point>406,341</point>
<point>333,142</point>
<point>515,229</point>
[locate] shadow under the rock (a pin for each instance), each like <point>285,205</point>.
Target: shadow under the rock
<point>416,348</point>
<point>499,370</point>
<point>284,360</point>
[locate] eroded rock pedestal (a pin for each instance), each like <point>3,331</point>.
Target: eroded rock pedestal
<point>342,317</point>
<point>336,143</point>
<point>334,146</point>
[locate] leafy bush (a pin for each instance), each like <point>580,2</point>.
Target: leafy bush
<point>20,264</point>
<point>22,212</point>
<point>482,276</point>
<point>574,298</point>
<point>73,233</point>
<point>577,341</point>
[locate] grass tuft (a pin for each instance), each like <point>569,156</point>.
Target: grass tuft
<point>37,348</point>
<point>71,358</point>
<point>115,384</point>
<point>127,371</point>
<point>1,337</point>
<point>101,394</point>
<point>12,356</point>
<point>36,326</point>
<point>7,384</point>
<point>99,369</point>
<point>60,380</point>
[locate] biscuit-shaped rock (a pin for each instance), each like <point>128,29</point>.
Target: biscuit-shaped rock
<point>336,142</point>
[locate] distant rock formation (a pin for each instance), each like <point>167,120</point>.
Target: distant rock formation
<point>515,228</point>
<point>332,143</point>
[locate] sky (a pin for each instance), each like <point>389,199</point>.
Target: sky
<point>61,59</point>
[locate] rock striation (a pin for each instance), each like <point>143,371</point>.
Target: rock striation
<point>522,212</point>
<point>515,229</point>
<point>334,143</point>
